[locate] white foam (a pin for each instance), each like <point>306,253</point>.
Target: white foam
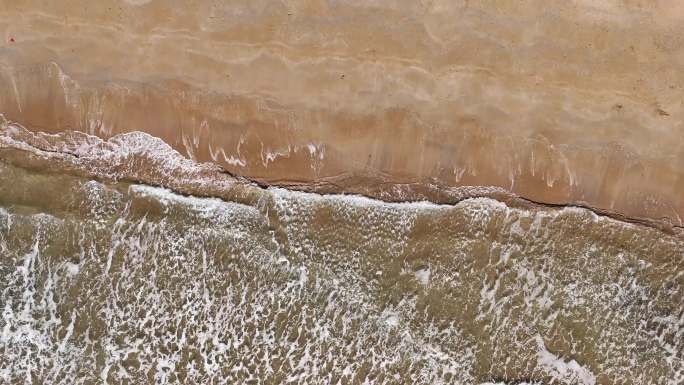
<point>72,268</point>
<point>560,369</point>
<point>392,320</point>
<point>423,276</point>
<point>206,207</point>
<point>354,200</point>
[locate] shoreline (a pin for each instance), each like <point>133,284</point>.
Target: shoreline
<point>88,156</point>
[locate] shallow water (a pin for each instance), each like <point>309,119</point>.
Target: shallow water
<point>113,282</point>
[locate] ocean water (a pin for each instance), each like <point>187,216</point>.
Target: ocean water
<point>104,279</point>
